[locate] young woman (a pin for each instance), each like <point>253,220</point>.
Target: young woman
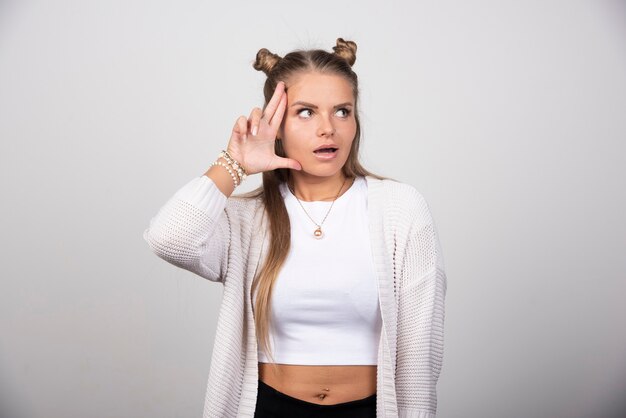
<point>334,283</point>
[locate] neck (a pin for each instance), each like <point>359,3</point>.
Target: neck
<point>313,188</point>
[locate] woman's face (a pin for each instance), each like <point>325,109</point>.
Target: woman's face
<point>320,111</point>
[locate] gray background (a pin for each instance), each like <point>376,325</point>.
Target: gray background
<point>507,116</point>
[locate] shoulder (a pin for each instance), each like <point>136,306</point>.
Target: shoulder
<point>401,200</point>
<point>244,205</point>
<point>242,210</point>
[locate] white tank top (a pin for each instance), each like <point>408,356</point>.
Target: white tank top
<point>325,307</point>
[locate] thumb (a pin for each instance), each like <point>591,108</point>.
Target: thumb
<point>289,163</point>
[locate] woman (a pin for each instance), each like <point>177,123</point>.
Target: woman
<point>334,287</point>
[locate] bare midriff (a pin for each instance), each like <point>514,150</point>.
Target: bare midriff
<point>323,385</point>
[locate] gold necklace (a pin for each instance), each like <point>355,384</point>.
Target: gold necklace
<point>318,231</point>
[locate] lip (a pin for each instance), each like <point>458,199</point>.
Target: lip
<point>325,156</point>
<point>330,145</point>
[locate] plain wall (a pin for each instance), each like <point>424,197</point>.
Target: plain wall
<point>507,116</point>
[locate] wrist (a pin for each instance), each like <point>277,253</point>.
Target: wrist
<point>234,167</point>
<point>235,164</point>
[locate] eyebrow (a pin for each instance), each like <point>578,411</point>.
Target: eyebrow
<point>315,107</point>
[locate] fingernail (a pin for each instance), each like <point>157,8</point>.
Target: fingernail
<point>255,130</point>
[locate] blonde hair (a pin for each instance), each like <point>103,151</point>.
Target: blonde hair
<point>279,68</point>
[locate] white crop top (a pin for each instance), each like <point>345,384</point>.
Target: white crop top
<point>325,308</point>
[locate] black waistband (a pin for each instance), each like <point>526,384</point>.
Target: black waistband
<point>267,390</point>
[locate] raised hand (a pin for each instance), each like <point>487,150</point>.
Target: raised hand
<point>252,140</point>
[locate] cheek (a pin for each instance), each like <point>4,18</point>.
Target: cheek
<point>347,125</point>
<point>349,131</point>
<point>298,132</point>
<point>295,125</point>
<point>290,145</point>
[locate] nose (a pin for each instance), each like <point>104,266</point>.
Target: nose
<point>326,127</point>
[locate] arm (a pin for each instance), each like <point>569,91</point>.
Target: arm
<point>420,319</point>
<point>192,229</point>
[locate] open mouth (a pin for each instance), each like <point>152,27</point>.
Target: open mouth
<point>325,151</point>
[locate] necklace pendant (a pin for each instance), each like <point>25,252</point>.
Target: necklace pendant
<point>318,232</point>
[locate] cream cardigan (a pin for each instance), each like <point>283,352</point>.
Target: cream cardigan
<point>224,240</point>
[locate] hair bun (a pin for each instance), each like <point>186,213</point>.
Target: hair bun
<point>266,60</point>
<point>346,50</point>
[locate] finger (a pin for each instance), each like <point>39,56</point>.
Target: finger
<point>254,120</point>
<point>274,101</point>
<point>280,112</point>
<point>289,163</point>
<point>241,127</point>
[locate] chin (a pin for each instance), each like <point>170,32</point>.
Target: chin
<point>321,170</point>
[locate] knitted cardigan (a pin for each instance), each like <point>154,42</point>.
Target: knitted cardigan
<point>225,240</point>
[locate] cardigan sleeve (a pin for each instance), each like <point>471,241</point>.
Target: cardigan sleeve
<point>191,230</point>
<point>420,318</point>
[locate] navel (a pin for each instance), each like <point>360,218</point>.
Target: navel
<point>323,395</point>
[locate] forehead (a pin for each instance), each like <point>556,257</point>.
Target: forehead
<point>319,88</point>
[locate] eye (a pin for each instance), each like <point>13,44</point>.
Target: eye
<point>347,112</point>
<point>302,112</point>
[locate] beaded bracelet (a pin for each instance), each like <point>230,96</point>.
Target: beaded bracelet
<point>235,164</point>
<point>230,170</point>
